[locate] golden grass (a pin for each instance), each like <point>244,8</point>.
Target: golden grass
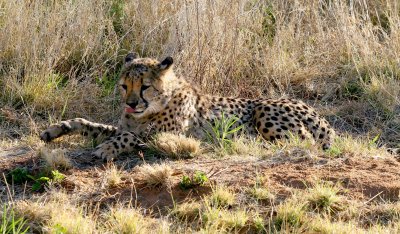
<point>259,224</point>
<point>58,214</point>
<point>383,213</point>
<point>187,211</point>
<point>324,197</point>
<point>221,219</point>
<point>155,175</point>
<point>58,211</point>
<point>325,226</point>
<point>113,176</point>
<point>290,215</point>
<point>175,146</point>
<point>261,193</point>
<point>222,196</point>
<point>129,220</point>
<point>347,145</point>
<point>56,159</point>
<point>244,146</point>
<point>60,59</point>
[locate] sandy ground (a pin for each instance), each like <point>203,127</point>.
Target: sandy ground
<point>364,178</point>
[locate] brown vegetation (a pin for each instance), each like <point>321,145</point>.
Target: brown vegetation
<point>61,59</point>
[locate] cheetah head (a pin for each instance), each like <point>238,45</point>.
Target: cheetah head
<point>145,85</point>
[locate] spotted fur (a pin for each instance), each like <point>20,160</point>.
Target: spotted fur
<point>156,100</point>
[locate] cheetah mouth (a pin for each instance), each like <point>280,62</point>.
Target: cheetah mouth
<point>131,110</point>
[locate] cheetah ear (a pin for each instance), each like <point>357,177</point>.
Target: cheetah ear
<point>130,57</point>
<point>166,63</point>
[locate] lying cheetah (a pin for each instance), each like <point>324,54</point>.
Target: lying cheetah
<point>155,99</point>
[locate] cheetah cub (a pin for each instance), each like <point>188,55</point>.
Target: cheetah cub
<point>155,100</point>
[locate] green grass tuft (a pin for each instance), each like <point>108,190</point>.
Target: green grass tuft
<point>11,224</point>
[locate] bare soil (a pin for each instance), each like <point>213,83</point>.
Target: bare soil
<point>364,178</point>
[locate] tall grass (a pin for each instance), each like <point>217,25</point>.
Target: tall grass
<point>54,55</point>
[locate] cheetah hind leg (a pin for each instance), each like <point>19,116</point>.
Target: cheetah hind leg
<point>78,125</point>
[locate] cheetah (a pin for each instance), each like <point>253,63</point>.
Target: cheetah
<point>155,100</point>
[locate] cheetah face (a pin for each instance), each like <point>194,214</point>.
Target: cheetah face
<point>144,85</point>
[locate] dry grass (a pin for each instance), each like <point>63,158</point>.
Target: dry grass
<point>57,214</point>
<point>57,211</point>
<point>175,146</point>
<point>325,226</point>
<point>347,145</point>
<point>384,213</point>
<point>61,59</point>
<point>324,197</point>
<point>261,193</point>
<point>244,146</point>
<point>56,159</point>
<point>66,67</point>
<point>187,211</point>
<point>113,176</point>
<point>290,215</point>
<point>222,196</point>
<point>130,220</point>
<point>220,219</point>
<point>156,175</point>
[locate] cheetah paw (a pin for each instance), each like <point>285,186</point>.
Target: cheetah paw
<point>105,154</point>
<point>54,131</point>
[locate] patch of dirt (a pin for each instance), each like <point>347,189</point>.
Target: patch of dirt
<point>17,157</point>
<point>363,178</point>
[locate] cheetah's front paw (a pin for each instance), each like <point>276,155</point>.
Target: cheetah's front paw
<point>54,131</point>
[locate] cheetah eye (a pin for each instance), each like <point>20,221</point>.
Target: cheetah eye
<point>124,87</point>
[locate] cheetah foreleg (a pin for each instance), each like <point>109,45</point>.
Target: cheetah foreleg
<point>78,125</point>
<point>122,143</point>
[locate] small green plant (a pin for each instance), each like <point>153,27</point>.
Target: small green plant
<point>107,83</point>
<point>39,182</point>
<point>333,151</point>
<point>353,89</point>
<point>11,224</point>
<point>57,176</point>
<point>269,23</point>
<point>186,182</point>
<point>18,175</point>
<point>197,179</point>
<point>59,229</point>
<point>200,178</point>
<point>43,180</point>
<point>222,130</point>
<point>117,13</point>
<point>374,142</point>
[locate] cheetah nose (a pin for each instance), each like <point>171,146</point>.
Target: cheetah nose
<point>132,104</point>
